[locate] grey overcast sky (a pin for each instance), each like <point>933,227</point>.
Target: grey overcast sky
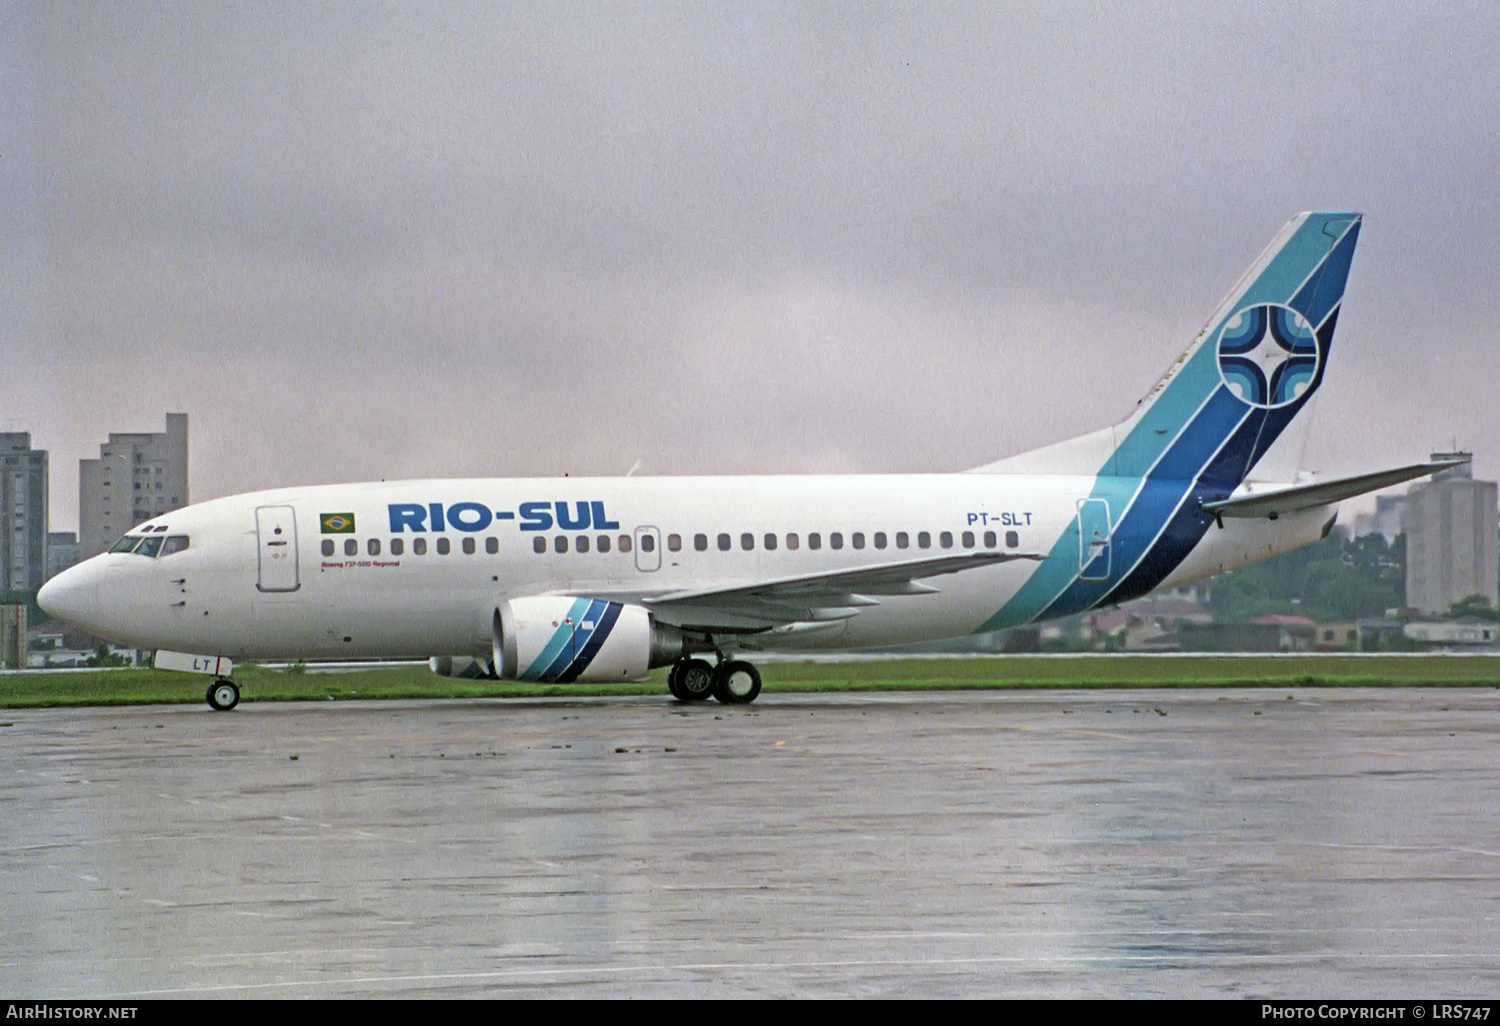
<point>360,241</point>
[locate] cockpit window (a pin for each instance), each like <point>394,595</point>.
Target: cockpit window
<point>152,545</point>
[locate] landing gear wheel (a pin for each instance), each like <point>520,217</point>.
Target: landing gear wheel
<point>694,680</point>
<point>672,683</point>
<point>223,695</point>
<point>736,683</point>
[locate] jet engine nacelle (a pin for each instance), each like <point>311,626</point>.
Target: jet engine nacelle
<point>563,638</point>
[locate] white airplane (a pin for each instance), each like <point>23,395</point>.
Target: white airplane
<point>602,579</point>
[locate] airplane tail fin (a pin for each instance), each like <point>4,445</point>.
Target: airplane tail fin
<point>1228,407</point>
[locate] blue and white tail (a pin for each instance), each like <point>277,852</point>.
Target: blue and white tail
<point>1228,408</point>
<point>1232,408</point>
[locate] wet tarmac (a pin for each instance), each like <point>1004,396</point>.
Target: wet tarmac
<point>1312,843</point>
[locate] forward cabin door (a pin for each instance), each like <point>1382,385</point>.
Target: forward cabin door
<point>1093,539</point>
<point>276,533</point>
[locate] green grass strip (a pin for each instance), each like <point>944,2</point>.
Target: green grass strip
<point>144,686</point>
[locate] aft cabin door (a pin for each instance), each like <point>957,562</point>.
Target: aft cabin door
<point>276,531</point>
<point>1093,540</point>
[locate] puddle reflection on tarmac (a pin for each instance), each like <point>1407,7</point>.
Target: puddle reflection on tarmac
<point>1328,843</point>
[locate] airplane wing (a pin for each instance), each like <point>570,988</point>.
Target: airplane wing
<point>1276,501</point>
<point>819,597</point>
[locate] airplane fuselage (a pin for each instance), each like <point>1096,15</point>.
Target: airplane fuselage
<point>416,569</point>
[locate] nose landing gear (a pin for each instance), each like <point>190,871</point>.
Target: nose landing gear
<point>732,682</point>
<point>223,695</point>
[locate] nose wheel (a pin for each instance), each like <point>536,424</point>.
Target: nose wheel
<point>223,695</point>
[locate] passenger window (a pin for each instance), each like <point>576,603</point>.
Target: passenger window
<point>539,545</point>
<point>770,542</point>
<point>174,543</point>
<point>560,543</point>
<point>968,539</point>
<point>327,546</point>
<point>1012,539</point>
<point>814,540</point>
<point>582,544</point>
<point>674,542</point>
<point>397,546</point>
<point>857,539</point>
<point>791,541</point>
<point>648,543</point>
<point>700,542</point>
<point>880,539</point>
<point>492,545</point>
<point>603,541</point>
<point>747,541</point>
<point>624,543</point>
<point>836,540</point>
<point>723,542</point>
<point>149,547</point>
<point>373,546</point>
<point>902,540</point>
<point>924,540</point>
<point>351,547</point>
<point>468,546</point>
<point>419,546</point>
<point>946,539</point>
<point>443,545</point>
<point>989,539</point>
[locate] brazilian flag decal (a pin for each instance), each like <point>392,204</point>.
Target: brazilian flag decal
<point>336,523</point>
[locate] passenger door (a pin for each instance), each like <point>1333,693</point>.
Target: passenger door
<point>276,534</point>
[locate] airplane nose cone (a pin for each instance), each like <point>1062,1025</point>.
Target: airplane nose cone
<point>70,596</point>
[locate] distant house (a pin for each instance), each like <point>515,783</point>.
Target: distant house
<point>1148,624</point>
<point>1274,633</point>
<point>1296,633</point>
<point>1336,637</point>
<point>1464,634</point>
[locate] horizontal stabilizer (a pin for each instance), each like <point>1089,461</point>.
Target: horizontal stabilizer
<point>1276,501</point>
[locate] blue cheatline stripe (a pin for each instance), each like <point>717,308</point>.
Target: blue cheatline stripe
<point>1181,454</point>
<point>584,626</point>
<point>1160,494</point>
<point>1324,289</point>
<point>1188,523</point>
<point>603,625</point>
<point>1054,575</point>
<point>1299,264</point>
<point>561,638</point>
<point>1275,420</point>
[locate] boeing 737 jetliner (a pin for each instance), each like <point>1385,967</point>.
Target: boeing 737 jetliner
<point>602,579</point>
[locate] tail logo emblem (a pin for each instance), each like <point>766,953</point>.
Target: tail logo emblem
<point>1268,355</point>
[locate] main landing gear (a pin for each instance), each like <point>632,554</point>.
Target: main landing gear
<point>223,695</point>
<point>732,682</point>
